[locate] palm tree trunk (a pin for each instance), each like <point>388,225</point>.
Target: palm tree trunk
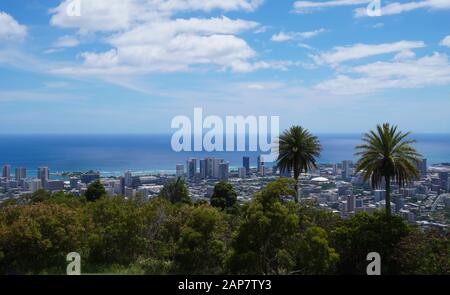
<point>388,196</point>
<point>296,190</point>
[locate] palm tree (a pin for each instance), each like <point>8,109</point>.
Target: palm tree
<point>387,154</point>
<point>298,150</point>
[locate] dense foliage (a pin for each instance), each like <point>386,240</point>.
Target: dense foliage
<point>171,235</point>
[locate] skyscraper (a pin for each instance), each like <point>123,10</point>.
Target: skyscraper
<point>224,171</point>
<point>6,173</point>
<point>443,177</point>
<point>260,165</point>
<point>423,168</point>
<point>203,168</point>
<point>246,164</point>
<point>346,172</point>
<point>43,174</point>
<point>128,179</point>
<point>191,167</point>
<point>216,163</point>
<point>210,165</point>
<point>21,173</point>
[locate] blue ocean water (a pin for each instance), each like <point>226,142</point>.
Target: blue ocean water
<point>114,154</point>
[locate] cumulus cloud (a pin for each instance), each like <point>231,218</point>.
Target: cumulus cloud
<point>113,15</point>
<point>445,41</point>
<point>342,54</point>
<point>145,36</point>
<point>10,29</point>
<point>432,70</point>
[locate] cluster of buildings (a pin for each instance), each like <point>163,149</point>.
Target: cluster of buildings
<point>334,187</point>
<point>339,189</point>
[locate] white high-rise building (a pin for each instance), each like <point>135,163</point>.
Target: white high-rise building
<point>21,173</point>
<point>35,185</point>
<point>180,170</point>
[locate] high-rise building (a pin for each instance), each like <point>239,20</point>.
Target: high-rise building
<point>423,168</point>
<point>260,165</point>
<point>246,164</point>
<point>210,165</point>
<point>216,164</point>
<point>43,174</point>
<point>351,203</point>
<point>128,179</point>
<point>443,177</point>
<point>35,185</point>
<point>6,171</point>
<point>21,173</point>
<point>346,171</point>
<point>203,168</point>
<point>180,170</point>
<point>191,168</point>
<point>224,169</point>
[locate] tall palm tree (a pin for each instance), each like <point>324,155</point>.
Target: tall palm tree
<point>298,150</point>
<point>387,155</point>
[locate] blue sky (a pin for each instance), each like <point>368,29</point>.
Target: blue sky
<point>130,66</point>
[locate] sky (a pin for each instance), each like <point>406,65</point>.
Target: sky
<point>131,66</point>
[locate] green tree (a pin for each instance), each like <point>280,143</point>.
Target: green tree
<point>298,150</point>
<point>424,252</point>
<point>120,231</point>
<point>40,196</point>
<point>224,197</point>
<point>95,191</point>
<point>176,192</point>
<point>315,256</point>
<point>387,155</point>
<point>35,238</point>
<point>201,247</point>
<point>265,239</point>
<point>363,233</point>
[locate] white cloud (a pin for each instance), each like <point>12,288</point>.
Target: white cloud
<point>66,41</point>
<point>114,15</point>
<point>287,36</point>
<point>358,51</point>
<point>310,6</point>
<point>404,54</point>
<point>145,36</point>
<point>398,8</point>
<point>389,9</point>
<point>445,41</point>
<point>10,29</point>
<point>433,70</point>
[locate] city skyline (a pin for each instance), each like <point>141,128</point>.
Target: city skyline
<point>131,66</point>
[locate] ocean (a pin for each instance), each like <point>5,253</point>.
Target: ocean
<point>142,154</point>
